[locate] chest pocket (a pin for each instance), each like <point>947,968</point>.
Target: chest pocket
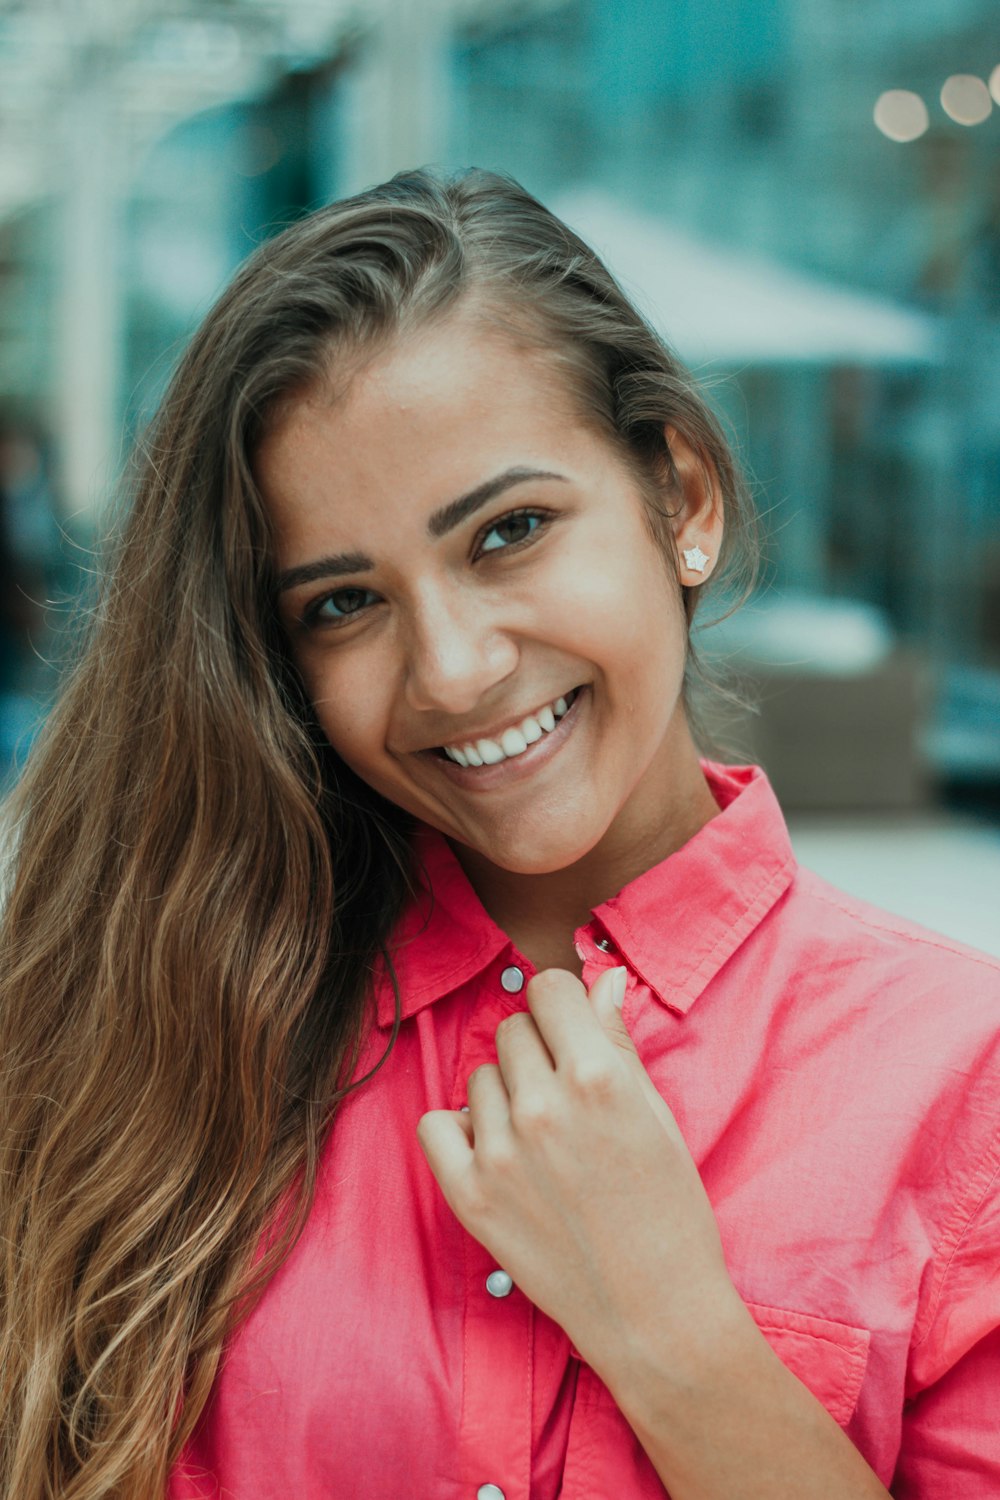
<point>828,1357</point>
<point>604,1457</point>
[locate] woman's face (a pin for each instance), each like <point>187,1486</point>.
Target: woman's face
<point>459,557</point>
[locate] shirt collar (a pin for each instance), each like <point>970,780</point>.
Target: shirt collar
<point>443,937</point>
<point>675,925</point>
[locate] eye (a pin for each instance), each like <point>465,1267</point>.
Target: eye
<point>515,527</point>
<point>335,608</point>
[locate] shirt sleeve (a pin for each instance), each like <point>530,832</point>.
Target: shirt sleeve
<point>951,1421</point>
<point>951,1432</point>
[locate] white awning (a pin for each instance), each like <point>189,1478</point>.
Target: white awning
<point>736,308</point>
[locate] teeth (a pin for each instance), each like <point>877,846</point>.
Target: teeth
<point>512,742</point>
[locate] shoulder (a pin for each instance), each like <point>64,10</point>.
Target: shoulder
<point>895,984</point>
<point>841,912</point>
<point>844,921</point>
<point>912,1019</point>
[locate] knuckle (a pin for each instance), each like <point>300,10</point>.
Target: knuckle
<point>593,1082</point>
<point>533,1113</point>
<point>496,1155</point>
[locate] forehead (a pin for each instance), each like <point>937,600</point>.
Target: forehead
<point>433,415</point>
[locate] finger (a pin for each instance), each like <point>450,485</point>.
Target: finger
<point>565,1018</point>
<point>489,1102</point>
<point>445,1137</point>
<point>525,1062</point>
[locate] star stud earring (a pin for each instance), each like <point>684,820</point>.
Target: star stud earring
<point>695,559</point>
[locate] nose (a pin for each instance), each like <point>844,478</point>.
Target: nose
<point>455,653</point>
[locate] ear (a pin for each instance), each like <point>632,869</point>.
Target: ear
<point>697,522</point>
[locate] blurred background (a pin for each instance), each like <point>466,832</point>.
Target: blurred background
<point>803,197</point>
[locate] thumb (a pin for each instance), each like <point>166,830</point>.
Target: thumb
<point>607,995</point>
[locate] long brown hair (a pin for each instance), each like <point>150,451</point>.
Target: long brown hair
<point>198,889</point>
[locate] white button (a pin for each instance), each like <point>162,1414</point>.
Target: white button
<point>499,1284</point>
<point>604,944</point>
<point>465,1109</point>
<point>490,1492</point>
<point>512,979</point>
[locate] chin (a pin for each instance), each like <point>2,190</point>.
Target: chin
<point>536,854</point>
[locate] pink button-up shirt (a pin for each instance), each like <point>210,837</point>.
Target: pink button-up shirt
<point>836,1073</point>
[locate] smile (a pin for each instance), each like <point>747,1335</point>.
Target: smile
<point>515,740</point>
<point>506,769</point>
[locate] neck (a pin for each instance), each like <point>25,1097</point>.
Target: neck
<point>540,913</point>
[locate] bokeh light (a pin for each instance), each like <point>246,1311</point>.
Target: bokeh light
<point>995,83</point>
<point>966,99</point>
<point>901,115</point>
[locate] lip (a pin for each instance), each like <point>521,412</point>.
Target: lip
<point>518,767</point>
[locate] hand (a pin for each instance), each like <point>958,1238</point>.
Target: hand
<point>570,1169</point>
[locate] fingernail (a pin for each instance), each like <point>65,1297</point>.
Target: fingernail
<point>619,978</point>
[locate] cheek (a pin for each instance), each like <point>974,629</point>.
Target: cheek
<point>618,601</point>
<point>348,708</point>
<point>640,640</point>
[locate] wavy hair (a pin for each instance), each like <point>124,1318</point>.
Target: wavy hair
<point>198,889</point>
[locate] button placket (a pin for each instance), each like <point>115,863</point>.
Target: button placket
<point>494,1448</point>
<point>478,1036</point>
<point>496,1406</point>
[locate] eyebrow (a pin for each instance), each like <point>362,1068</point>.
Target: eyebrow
<point>438,525</point>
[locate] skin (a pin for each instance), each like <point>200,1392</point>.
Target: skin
<point>569,1167</point>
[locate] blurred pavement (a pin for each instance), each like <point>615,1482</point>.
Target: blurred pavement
<point>937,869</point>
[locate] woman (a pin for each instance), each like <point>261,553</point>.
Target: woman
<point>423,1074</point>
